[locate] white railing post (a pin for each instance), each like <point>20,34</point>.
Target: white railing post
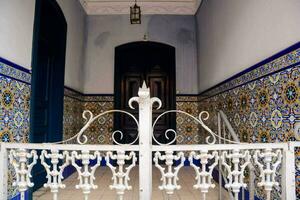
<point>251,186</point>
<point>220,164</point>
<point>288,174</point>
<point>3,171</point>
<point>145,142</point>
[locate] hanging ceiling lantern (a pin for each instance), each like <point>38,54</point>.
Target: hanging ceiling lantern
<point>135,14</point>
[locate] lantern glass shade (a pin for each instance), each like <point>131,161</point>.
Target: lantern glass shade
<point>135,14</point>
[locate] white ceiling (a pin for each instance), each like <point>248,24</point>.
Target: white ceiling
<point>116,7</point>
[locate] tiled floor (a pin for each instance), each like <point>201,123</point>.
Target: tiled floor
<point>103,179</point>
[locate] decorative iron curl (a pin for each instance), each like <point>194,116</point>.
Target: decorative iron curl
<point>156,100</point>
<point>211,139</point>
<point>89,118</point>
<point>131,100</point>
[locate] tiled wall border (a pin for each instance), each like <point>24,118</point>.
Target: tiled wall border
<point>14,71</point>
<point>286,58</point>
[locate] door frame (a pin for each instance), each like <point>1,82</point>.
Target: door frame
<point>34,55</point>
<point>60,68</point>
<point>171,75</point>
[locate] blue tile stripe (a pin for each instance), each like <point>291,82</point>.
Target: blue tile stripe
<point>14,71</point>
<point>18,196</point>
<point>287,58</point>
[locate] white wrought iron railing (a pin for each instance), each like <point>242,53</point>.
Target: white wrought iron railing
<point>276,162</point>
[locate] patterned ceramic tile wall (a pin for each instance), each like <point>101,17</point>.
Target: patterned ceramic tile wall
<point>262,105</point>
<point>14,113</point>
<point>187,128</point>
<point>265,110</point>
<point>100,131</point>
<point>73,108</point>
<point>74,105</point>
<point>14,100</point>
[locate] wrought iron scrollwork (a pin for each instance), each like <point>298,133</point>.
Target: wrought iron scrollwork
<point>204,115</point>
<point>89,118</point>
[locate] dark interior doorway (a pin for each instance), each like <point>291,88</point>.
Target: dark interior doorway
<point>155,63</point>
<point>48,72</point>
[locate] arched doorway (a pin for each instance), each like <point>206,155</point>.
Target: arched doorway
<point>48,70</point>
<point>151,62</point>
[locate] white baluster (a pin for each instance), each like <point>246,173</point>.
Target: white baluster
<point>20,162</point>
<point>169,178</point>
<point>236,171</point>
<point>54,176</point>
<point>268,168</point>
<point>86,177</point>
<point>203,176</point>
<point>120,178</point>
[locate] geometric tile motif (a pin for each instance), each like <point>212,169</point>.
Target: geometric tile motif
<point>72,118</point>
<point>14,110</point>
<point>100,132</point>
<point>268,108</point>
<point>75,103</point>
<point>187,128</point>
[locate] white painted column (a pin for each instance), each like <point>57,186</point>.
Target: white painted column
<point>3,172</point>
<point>145,142</point>
<point>288,174</point>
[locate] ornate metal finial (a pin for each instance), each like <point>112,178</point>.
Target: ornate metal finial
<point>144,86</point>
<point>144,91</point>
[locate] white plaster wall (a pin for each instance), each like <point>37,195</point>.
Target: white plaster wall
<point>104,33</point>
<point>236,34</point>
<point>75,17</point>
<point>16,28</point>
<point>16,34</point>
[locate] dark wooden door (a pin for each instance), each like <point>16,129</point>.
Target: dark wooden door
<point>48,71</point>
<point>153,63</point>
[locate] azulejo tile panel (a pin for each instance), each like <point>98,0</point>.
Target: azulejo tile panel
<point>74,105</point>
<point>72,120</point>
<point>101,131</point>
<point>14,101</point>
<point>264,110</point>
<point>14,109</point>
<point>187,128</point>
